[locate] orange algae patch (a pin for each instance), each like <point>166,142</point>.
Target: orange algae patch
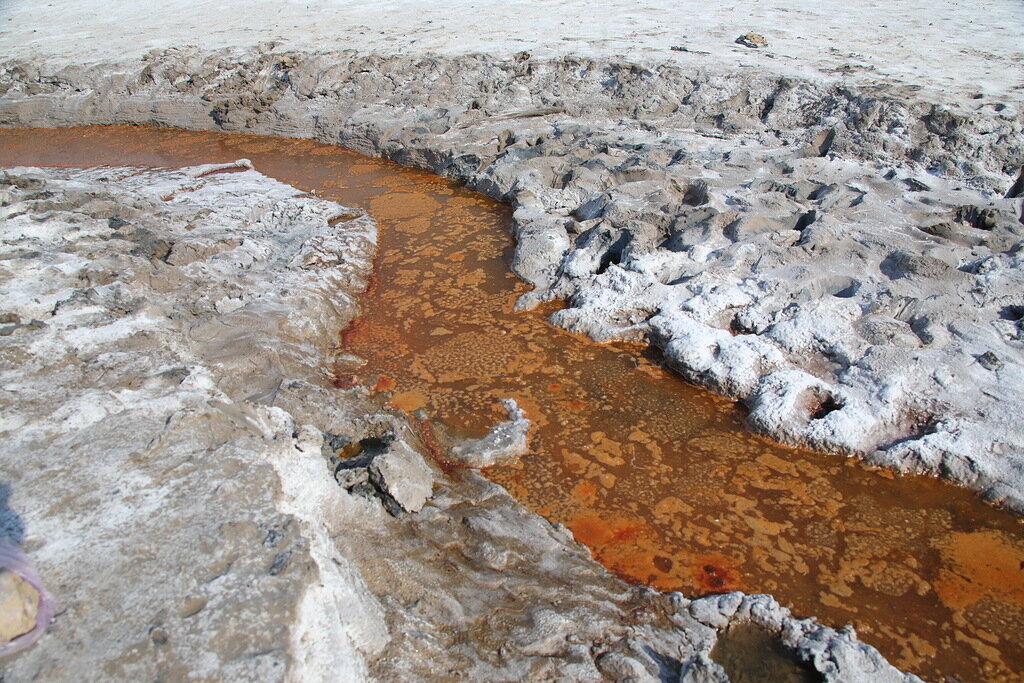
<point>660,479</point>
<point>596,531</point>
<point>584,490</point>
<point>384,384</point>
<point>977,564</point>
<point>409,401</point>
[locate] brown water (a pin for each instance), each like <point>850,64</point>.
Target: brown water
<point>750,654</point>
<point>659,478</point>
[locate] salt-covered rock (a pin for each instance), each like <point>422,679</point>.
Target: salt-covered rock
<point>401,473</point>
<point>504,443</point>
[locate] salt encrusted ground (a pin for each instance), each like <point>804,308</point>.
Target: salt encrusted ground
<point>846,264</point>
<point>170,439</point>
<point>951,50</point>
<point>828,229</point>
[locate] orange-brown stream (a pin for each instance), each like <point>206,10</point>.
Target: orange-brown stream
<point>660,479</point>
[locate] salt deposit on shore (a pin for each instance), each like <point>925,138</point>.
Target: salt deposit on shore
<point>829,229</point>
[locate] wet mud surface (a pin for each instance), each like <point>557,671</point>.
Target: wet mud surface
<point>749,654</point>
<point>660,479</point>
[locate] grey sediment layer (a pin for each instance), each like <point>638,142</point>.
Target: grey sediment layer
<point>845,263</point>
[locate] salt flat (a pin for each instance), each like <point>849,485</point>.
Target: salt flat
<point>948,49</point>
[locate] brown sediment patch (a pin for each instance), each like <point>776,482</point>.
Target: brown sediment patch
<point>716,573</point>
<point>662,480</point>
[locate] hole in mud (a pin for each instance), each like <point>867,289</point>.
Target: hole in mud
<point>370,446</point>
<point>976,217</point>
<point>1013,312</point>
<point>805,220</point>
<point>613,256</point>
<point>848,292</point>
<point>822,191</point>
<point>737,326</point>
<point>916,423</point>
<point>343,453</point>
<point>823,142</point>
<point>696,193</point>
<point>1017,188</point>
<point>819,404</point>
<point>920,424</point>
<point>750,654</point>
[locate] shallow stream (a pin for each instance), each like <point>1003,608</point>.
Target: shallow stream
<point>660,479</point>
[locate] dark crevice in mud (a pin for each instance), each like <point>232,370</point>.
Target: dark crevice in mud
<point>976,217</point>
<point>1017,189</point>
<point>823,142</point>
<point>612,255</point>
<point>1013,312</point>
<point>916,424</point>
<point>805,220</point>
<point>824,406</point>
<point>696,193</point>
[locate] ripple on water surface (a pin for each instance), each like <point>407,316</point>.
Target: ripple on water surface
<point>660,479</point>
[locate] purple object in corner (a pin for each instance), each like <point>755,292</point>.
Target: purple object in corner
<point>16,561</point>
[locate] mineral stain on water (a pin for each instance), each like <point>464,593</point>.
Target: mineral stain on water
<point>660,479</point>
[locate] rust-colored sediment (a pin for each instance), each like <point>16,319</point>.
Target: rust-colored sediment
<point>660,479</point>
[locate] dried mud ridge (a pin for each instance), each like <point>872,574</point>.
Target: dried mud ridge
<point>780,241</point>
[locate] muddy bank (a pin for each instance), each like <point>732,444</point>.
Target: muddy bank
<point>172,456</point>
<point>847,264</point>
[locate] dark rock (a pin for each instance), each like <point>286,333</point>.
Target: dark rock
<point>990,361</point>
<point>751,39</point>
